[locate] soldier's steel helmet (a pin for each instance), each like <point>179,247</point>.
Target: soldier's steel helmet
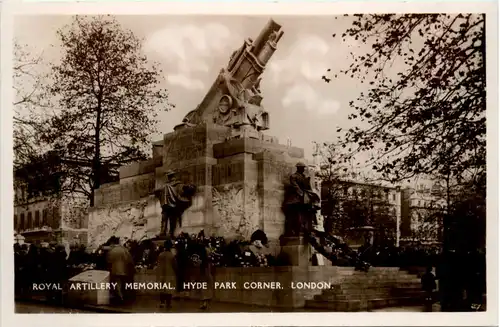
<point>300,164</point>
<point>170,173</point>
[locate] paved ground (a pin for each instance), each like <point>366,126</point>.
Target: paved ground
<point>401,309</point>
<point>37,307</point>
<point>141,305</point>
<point>150,305</point>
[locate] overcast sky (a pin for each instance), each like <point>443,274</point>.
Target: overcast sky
<point>192,49</point>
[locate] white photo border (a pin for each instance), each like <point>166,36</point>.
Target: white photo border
<point>10,9</point>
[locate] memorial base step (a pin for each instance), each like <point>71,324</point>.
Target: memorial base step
<point>362,305</point>
<point>381,287</point>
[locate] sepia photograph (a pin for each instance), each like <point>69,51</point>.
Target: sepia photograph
<point>250,163</point>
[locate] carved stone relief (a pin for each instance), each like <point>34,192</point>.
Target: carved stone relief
<point>236,213</point>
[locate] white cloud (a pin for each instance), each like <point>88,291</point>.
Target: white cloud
<point>307,58</point>
<point>305,95</point>
<point>328,107</point>
<point>188,50</point>
<point>185,82</point>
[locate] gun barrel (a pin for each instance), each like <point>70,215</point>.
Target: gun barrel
<point>261,40</point>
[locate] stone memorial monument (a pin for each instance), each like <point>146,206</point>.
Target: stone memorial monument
<point>240,173</point>
<point>227,178</point>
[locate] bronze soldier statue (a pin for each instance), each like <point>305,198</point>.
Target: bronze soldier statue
<point>175,197</point>
<point>301,203</point>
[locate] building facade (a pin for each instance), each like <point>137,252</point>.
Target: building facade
<point>403,214</point>
<point>49,218</point>
<point>362,204</point>
<point>423,210</point>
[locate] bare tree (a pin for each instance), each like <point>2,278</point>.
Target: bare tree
<point>30,102</point>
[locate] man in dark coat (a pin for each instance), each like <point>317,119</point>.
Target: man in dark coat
<point>121,268</point>
<point>166,271</point>
<point>58,271</point>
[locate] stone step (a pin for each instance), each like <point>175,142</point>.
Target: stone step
<point>367,293</point>
<point>363,291</point>
<point>361,305</point>
<point>365,297</point>
<point>404,292</point>
<point>371,290</point>
<point>377,278</point>
<point>337,306</point>
<point>360,273</point>
<point>393,302</point>
<point>388,293</point>
<point>353,296</point>
<point>373,269</point>
<point>380,284</point>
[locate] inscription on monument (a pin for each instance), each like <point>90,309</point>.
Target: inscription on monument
<point>194,174</point>
<point>227,173</point>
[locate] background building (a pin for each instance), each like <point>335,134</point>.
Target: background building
<point>423,209</point>
<point>348,205</point>
<point>400,215</point>
<point>42,213</point>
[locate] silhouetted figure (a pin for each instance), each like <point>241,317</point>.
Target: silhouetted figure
<point>121,268</point>
<point>428,281</point>
<point>166,273</point>
<point>58,271</point>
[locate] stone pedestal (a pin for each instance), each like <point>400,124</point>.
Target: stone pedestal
<point>240,187</point>
<point>283,297</point>
<point>96,292</point>
<point>296,251</point>
<point>248,187</point>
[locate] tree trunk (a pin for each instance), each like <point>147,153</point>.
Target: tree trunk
<point>96,165</point>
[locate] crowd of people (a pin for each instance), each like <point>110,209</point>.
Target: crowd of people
<point>177,259</point>
<point>401,256</point>
<point>47,263</point>
<point>189,254</point>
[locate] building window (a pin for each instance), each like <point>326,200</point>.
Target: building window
<point>22,222</point>
<point>45,216</point>
<point>393,197</point>
<point>30,220</point>
<point>16,223</point>
<point>37,219</point>
<point>56,218</point>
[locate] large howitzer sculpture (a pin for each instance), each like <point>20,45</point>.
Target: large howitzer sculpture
<point>234,100</point>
